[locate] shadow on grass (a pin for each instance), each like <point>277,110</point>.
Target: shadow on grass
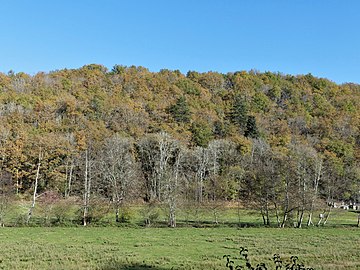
<point>202,224</point>
<point>130,266</point>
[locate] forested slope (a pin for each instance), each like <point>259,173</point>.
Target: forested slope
<point>279,142</point>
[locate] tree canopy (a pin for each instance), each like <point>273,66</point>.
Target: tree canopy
<point>66,112</point>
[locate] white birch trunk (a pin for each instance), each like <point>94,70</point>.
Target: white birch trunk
<point>87,186</point>
<point>316,186</point>
<point>172,190</point>
<point>35,190</point>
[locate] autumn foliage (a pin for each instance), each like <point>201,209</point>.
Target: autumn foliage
<point>252,132</point>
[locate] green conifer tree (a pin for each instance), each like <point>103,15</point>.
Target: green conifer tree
<point>180,111</point>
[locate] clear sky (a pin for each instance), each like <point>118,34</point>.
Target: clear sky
<point>321,37</point>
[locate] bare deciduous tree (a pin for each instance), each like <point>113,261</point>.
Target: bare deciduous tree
<point>171,192</point>
<point>118,169</point>
<point>90,173</point>
<point>202,165</point>
<point>155,152</point>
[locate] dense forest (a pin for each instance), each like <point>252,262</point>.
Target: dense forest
<point>282,144</point>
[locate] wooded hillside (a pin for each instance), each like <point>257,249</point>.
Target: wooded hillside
<point>278,142</point>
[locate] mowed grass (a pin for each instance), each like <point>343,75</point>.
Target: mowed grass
<point>181,248</point>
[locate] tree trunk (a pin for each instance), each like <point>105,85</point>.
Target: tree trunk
<point>172,186</point>
<point>118,203</point>
<point>238,212</point>
<point>277,215</point>
<point>316,185</point>
<point>310,222</point>
<point>69,179</point>
<point>172,217</point>
<point>117,218</point>
<point>199,188</point>
<point>35,190</point>
<point>328,215</point>
<point>301,218</point>
<point>321,218</point>
<point>263,215</point>
<point>87,186</point>
<point>284,219</point>
<point>17,182</point>
<point>267,213</point>
<point>216,215</point>
<point>286,208</point>
<point>200,174</point>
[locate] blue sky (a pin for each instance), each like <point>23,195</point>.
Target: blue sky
<point>321,37</point>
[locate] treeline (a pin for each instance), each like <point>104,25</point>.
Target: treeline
<point>279,143</point>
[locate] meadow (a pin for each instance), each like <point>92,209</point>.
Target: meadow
<point>206,215</point>
<point>334,246</point>
<point>182,248</point>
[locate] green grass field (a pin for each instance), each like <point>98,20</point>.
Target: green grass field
<point>203,216</point>
<point>182,248</point>
<point>197,243</point>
